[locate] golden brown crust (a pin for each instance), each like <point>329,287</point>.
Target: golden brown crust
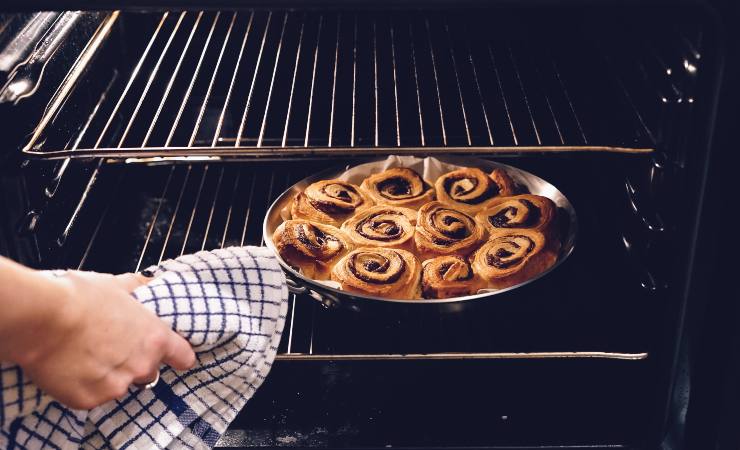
<point>510,257</point>
<point>532,212</point>
<point>471,190</point>
<point>382,226</point>
<point>311,247</point>
<point>449,276</point>
<point>329,201</point>
<point>399,186</point>
<point>441,230</point>
<point>383,272</point>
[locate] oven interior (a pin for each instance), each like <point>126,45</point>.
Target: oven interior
<point>152,134</point>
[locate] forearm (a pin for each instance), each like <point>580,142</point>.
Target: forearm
<point>29,304</point>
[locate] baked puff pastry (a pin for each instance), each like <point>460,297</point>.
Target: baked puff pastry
<point>382,272</point>
<point>511,257</point>
<point>311,247</point>
<point>448,276</point>
<point>532,212</point>
<point>471,190</point>
<point>398,186</point>
<point>329,201</point>
<point>382,226</point>
<point>444,231</point>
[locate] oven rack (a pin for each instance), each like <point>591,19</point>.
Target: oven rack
<point>272,84</point>
<point>137,216</point>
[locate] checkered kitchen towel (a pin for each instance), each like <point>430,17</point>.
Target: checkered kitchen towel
<point>230,304</point>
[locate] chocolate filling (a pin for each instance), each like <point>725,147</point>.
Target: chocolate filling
<point>331,207</point>
<point>497,259</point>
<point>387,229</point>
<point>501,219</point>
<point>446,266</point>
<point>395,187</point>
<point>491,191</point>
<point>375,267</point>
<point>456,233</point>
<point>320,238</point>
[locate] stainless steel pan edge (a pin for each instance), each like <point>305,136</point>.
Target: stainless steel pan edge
<point>334,298</point>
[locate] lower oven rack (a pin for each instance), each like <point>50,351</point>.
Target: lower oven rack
<point>137,216</point>
<point>273,84</point>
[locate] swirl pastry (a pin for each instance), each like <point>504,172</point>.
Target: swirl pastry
<point>513,256</point>
<point>398,186</point>
<point>533,212</point>
<point>448,276</point>
<point>311,247</point>
<point>470,190</point>
<point>384,272</point>
<point>329,201</point>
<point>444,231</point>
<point>382,226</point>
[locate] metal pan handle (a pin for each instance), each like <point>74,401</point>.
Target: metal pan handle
<point>294,287</point>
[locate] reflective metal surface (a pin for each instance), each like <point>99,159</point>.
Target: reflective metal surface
<point>332,298</point>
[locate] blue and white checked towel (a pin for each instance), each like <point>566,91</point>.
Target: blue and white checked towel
<point>230,304</point>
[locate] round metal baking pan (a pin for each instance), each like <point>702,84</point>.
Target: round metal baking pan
<point>332,298</point>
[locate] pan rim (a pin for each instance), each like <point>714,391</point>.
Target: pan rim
<point>332,172</point>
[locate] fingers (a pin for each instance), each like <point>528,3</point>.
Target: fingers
<point>130,281</point>
<point>178,353</point>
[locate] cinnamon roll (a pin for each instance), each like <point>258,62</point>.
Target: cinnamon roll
<point>398,186</point>
<point>444,231</point>
<point>533,212</point>
<point>329,201</point>
<point>382,226</point>
<point>448,276</point>
<point>513,256</point>
<point>383,272</point>
<point>470,190</point>
<point>311,247</point>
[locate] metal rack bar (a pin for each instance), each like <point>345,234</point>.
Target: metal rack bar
<point>174,214</point>
<point>195,209</point>
<point>313,81</point>
<point>459,88</point>
<point>272,82</point>
<point>395,87</point>
<point>503,95</point>
<point>168,88</point>
<point>436,82</point>
<point>334,82</point>
<point>292,83</point>
<point>202,110</point>
<point>375,83</point>
<point>189,90</point>
<point>416,84</point>
<point>231,207</point>
<point>199,153</point>
<point>221,116</point>
<point>354,81</point>
<point>480,93</point>
<point>150,80</point>
<point>458,356</point>
<point>524,93</point>
<point>213,208</point>
<point>254,79</point>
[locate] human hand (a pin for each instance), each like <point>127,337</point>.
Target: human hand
<point>98,342</point>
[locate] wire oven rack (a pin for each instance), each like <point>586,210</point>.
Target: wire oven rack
<point>148,214</point>
<point>281,84</point>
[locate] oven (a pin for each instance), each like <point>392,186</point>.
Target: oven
<point>135,133</point>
